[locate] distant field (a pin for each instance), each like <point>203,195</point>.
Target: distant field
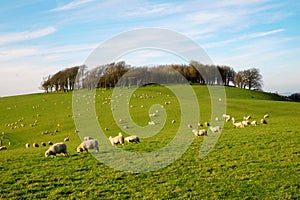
<point>259,162</point>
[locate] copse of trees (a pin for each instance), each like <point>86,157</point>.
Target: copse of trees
<point>121,74</point>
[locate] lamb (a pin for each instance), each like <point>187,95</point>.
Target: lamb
<point>27,145</point>
<point>132,138</point>
<point>87,145</point>
<point>56,149</point>
<point>201,132</point>
<point>88,138</point>
<point>215,129</point>
<point>117,140</point>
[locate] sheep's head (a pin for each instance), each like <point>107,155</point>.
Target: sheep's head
<point>48,153</point>
<point>79,149</point>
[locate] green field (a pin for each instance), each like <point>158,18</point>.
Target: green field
<point>259,162</point>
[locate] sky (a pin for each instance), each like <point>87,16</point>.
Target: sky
<point>39,38</point>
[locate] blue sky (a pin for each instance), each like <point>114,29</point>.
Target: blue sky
<point>40,37</point>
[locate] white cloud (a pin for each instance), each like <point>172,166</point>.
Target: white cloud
<point>72,5</point>
<point>263,34</point>
<point>25,35</point>
<point>155,9</point>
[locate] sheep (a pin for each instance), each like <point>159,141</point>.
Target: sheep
<point>88,138</point>
<point>215,129</point>
<point>27,145</point>
<point>247,118</point>
<point>190,126</point>
<point>87,145</point>
<point>206,124</point>
<point>254,123</point>
<point>173,121</point>
<point>263,121</point>
<point>200,124</point>
<point>266,116</point>
<point>36,145</point>
<point>116,140</point>
<point>227,117</point>
<point>50,143</point>
<point>201,132</point>
<point>43,144</point>
<point>2,148</point>
<point>132,138</point>
<point>56,149</point>
<point>151,123</point>
<point>152,115</point>
<point>66,139</point>
<point>245,122</point>
<point>238,125</point>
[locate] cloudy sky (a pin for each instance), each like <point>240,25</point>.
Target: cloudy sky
<point>39,37</point>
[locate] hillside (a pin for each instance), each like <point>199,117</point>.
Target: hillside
<point>246,162</point>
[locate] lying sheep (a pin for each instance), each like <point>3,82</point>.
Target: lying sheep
<point>50,143</point>
<point>43,144</point>
<point>36,145</point>
<point>173,121</point>
<point>215,129</point>
<point>132,138</point>
<point>190,126</point>
<point>201,132</point>
<point>87,145</point>
<point>245,122</point>
<point>238,125</point>
<point>263,121</point>
<point>116,140</point>
<point>266,116</point>
<point>206,124</point>
<point>27,146</point>
<point>2,148</point>
<point>88,138</point>
<point>66,139</point>
<point>57,149</point>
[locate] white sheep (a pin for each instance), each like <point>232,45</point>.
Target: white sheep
<point>36,145</point>
<point>266,116</point>
<point>206,124</point>
<point>238,125</point>
<point>247,118</point>
<point>151,123</point>
<point>116,140</point>
<point>87,145</point>
<point>200,124</point>
<point>27,145</point>
<point>226,117</point>
<point>66,139</point>
<point>215,129</point>
<point>190,126</point>
<point>57,149</point>
<point>88,138</point>
<point>263,121</point>
<point>254,123</point>
<point>43,144</point>
<point>173,121</point>
<point>245,122</point>
<point>132,138</point>
<point>201,132</point>
<point>152,115</point>
<point>2,148</point>
<point>50,143</point>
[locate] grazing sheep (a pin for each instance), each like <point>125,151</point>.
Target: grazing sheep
<point>116,140</point>
<point>247,118</point>
<point>238,125</point>
<point>263,121</point>
<point>27,145</point>
<point>254,123</point>
<point>132,138</point>
<point>2,148</point>
<point>173,121</point>
<point>215,129</point>
<point>190,126</point>
<point>43,144</point>
<point>56,149</point>
<point>266,116</point>
<point>36,145</point>
<point>87,145</point>
<point>206,124</point>
<point>50,143</point>
<point>201,132</point>
<point>88,138</point>
<point>66,139</point>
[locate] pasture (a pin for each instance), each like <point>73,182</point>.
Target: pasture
<point>260,162</point>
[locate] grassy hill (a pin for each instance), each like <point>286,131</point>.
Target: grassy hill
<point>259,162</point>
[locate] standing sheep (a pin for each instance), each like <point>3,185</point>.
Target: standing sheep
<point>87,145</point>
<point>116,140</point>
<point>56,149</point>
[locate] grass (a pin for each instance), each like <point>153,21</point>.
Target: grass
<point>259,162</point>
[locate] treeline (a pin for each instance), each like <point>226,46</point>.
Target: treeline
<point>121,74</point>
